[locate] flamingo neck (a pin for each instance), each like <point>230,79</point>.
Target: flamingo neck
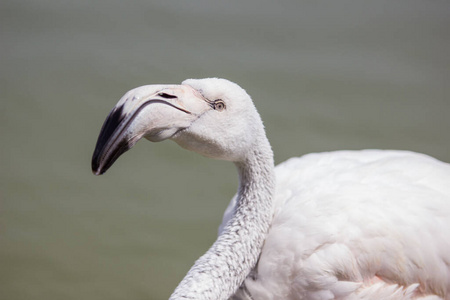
<point>224,267</point>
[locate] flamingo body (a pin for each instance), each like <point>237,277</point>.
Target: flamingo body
<point>357,224</point>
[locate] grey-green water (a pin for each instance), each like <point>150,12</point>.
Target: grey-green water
<point>325,75</point>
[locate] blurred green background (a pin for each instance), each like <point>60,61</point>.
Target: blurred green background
<point>324,75</point>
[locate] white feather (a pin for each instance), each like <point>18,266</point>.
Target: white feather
<point>342,218</point>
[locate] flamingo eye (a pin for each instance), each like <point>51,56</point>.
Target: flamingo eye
<point>219,105</point>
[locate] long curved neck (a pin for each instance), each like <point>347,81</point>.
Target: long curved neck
<point>223,268</point>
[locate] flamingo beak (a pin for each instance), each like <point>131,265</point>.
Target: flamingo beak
<point>156,112</point>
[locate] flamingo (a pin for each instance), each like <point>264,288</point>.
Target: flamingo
<point>369,224</point>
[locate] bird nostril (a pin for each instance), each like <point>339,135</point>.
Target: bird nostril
<point>167,96</point>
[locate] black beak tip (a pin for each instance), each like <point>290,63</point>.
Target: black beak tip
<point>101,163</point>
<point>96,170</point>
<point>110,125</point>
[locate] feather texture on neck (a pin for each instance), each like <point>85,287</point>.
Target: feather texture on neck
<point>224,267</point>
